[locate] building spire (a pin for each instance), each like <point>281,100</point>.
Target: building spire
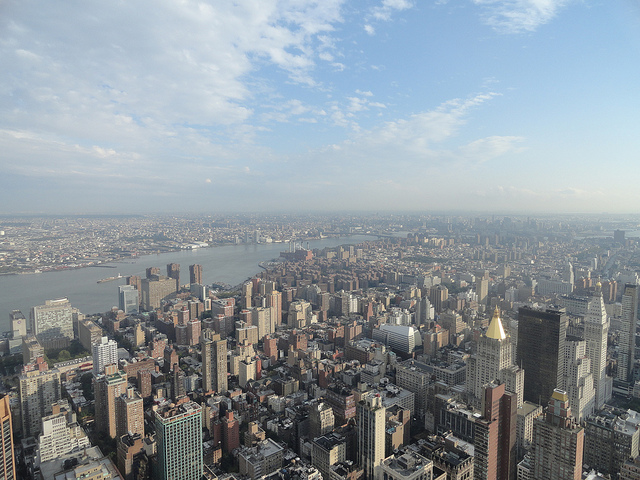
<point>495,330</point>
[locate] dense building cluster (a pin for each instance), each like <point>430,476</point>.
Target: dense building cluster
<point>446,353</point>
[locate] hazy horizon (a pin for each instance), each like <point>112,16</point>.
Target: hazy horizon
<point>482,106</point>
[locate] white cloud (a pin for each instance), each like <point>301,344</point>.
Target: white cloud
<point>369,29</point>
<point>388,7</point>
<point>515,16</point>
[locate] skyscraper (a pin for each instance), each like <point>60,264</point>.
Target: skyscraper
<point>495,435</point>
<point>128,300</point>
<point>628,332</point>
<point>558,442</point>
<point>105,352</point>
<point>214,362</point>
<point>155,289</point>
<point>371,429</point>
<point>195,274</point>
<point>107,387</point>
<point>493,361</point>
<point>7,464</point>
<point>39,390</point>
<point>130,413</point>
<point>179,437</point>
<point>482,290</point>
<point>578,379</point>
<point>540,351</point>
<point>596,331</point>
<point>173,271</point>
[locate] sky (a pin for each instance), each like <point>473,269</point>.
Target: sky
<point>292,105</point>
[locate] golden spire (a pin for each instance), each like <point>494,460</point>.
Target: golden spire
<point>495,329</point>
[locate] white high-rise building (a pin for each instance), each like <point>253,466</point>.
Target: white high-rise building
<point>53,319</point>
<point>371,433</point>
<point>628,331</point>
<point>596,331</point>
<point>61,433</point>
<point>578,379</point>
<point>494,361</point>
<point>105,352</point>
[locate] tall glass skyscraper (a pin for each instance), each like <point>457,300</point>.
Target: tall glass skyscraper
<point>179,437</point>
<point>540,351</point>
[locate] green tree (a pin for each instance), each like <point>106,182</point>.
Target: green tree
<point>64,355</point>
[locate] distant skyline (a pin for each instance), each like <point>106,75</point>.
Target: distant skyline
<point>469,105</point>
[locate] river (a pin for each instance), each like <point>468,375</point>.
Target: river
<point>230,264</point>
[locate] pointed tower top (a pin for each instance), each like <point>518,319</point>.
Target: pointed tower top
<point>495,330</point>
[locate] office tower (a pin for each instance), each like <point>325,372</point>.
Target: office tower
<point>18,324</point>
<point>558,440</point>
<point>438,295</point>
<point>618,236</point>
<point>424,311</point>
<point>230,432</point>
<point>52,320</point>
<point>493,361</point>
<point>105,352</point>
<point>195,274</point>
<point>578,379</point>
<point>610,439</point>
<point>371,428</point>
<point>156,289</point>
<point>321,419</point>
<point>107,387</point>
<point>596,331</point>
<point>214,362</point>
<point>482,290</point>
<point>179,440</point>
<point>173,271</point>
<point>7,463</point>
<point>128,300</point>
<point>540,351</point>
<point>39,390</point>
<point>130,413</point>
<point>628,332</point>
<point>495,435</point>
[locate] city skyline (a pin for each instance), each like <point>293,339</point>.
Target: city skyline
<point>481,105</point>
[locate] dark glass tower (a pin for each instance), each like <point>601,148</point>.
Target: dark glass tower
<point>541,337</point>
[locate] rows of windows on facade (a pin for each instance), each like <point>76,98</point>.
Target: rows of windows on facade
<point>279,382</point>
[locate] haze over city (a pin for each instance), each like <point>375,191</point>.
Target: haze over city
<point>485,105</point>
